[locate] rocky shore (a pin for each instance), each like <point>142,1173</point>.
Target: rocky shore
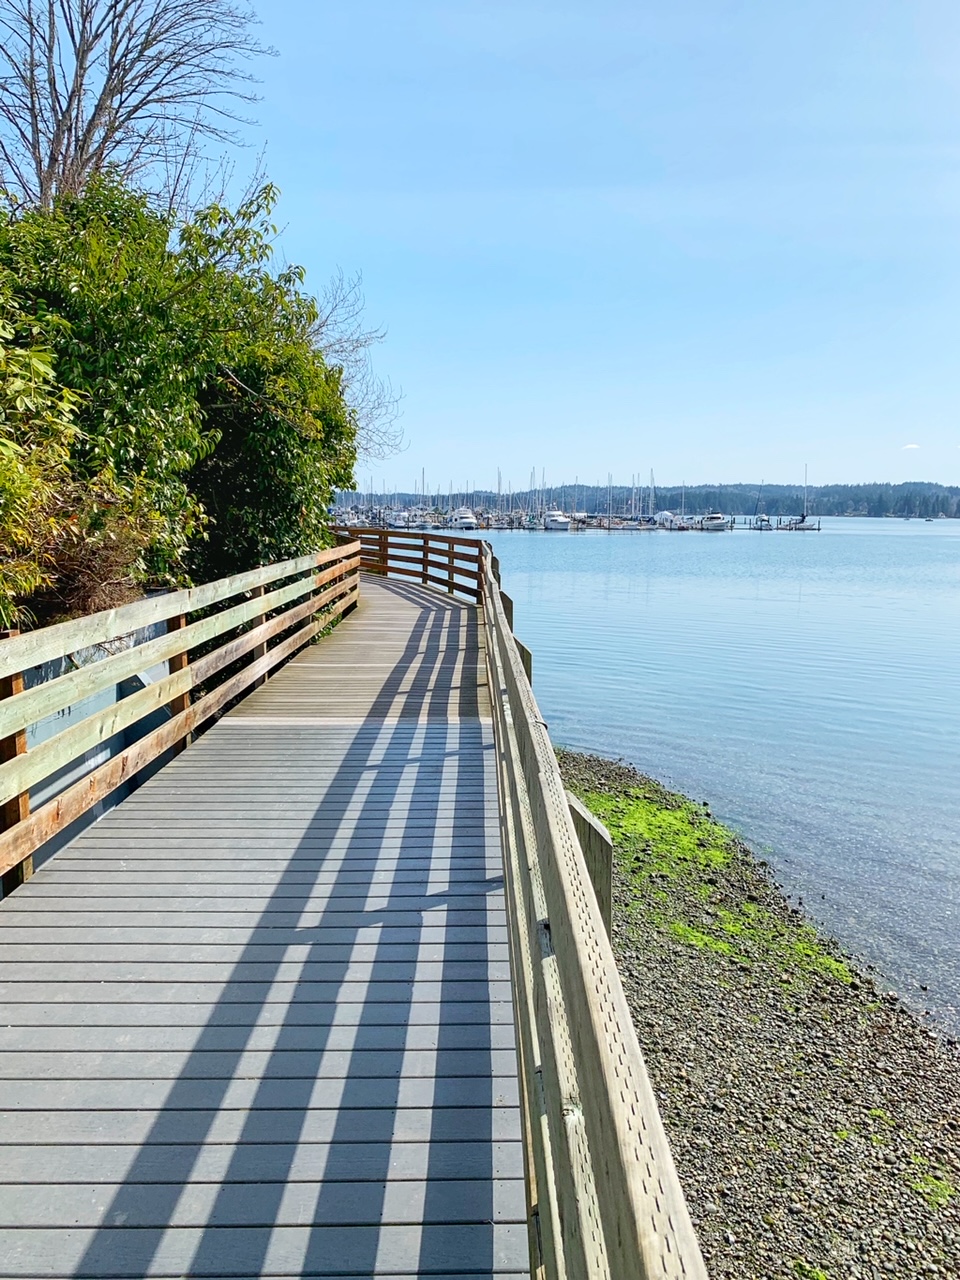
<point>815,1122</point>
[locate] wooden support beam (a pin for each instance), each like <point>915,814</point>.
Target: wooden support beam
<point>597,850</point>
<point>507,602</point>
<point>178,662</point>
<point>17,808</point>
<point>259,650</point>
<point>526,658</point>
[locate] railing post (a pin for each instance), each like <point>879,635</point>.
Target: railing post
<point>17,808</point>
<point>526,658</point>
<point>425,569</point>
<point>258,650</point>
<point>597,848</point>
<point>383,552</point>
<point>507,602</point>
<point>179,662</point>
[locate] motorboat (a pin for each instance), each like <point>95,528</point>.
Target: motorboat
<point>555,519</point>
<point>714,522</point>
<point>463,518</point>
<point>671,521</point>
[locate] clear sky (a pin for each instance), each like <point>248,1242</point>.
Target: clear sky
<point>718,238</point>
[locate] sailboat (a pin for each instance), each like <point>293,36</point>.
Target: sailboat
<point>802,523</point>
<point>761,521</point>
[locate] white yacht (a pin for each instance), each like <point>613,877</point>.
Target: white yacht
<point>714,522</point>
<point>463,518</point>
<point>555,519</point>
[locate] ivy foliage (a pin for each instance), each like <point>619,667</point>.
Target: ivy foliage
<point>161,393</point>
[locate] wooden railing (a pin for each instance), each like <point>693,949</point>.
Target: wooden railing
<point>451,561</point>
<point>254,620</point>
<point>604,1198</point>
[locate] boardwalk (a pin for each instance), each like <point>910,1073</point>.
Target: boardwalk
<point>257,1021</point>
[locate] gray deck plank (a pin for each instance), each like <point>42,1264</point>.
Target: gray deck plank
<point>268,1161</point>
<point>351,1251</point>
<point>225,1203</point>
<point>96,951</point>
<point>240,1093</point>
<point>258,1019</point>
<point>200,1063</point>
<point>259,971</point>
<point>140,892</point>
<point>434,1126</point>
<point>333,935</point>
<point>367,1013</point>
<point>91,1038</point>
<point>285,993</point>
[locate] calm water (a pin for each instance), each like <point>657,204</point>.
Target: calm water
<point>807,687</point>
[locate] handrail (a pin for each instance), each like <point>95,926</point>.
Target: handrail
<point>278,608</point>
<point>604,1196</point>
<point>451,561</point>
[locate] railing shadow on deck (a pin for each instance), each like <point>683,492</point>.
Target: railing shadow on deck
<point>455,688</point>
<point>292,1084</point>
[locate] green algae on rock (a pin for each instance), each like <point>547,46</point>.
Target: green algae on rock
<point>669,850</point>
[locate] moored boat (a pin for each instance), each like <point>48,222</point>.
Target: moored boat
<point>463,518</point>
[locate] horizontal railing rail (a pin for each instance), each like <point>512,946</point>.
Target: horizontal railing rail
<point>217,641</point>
<point>604,1197</point>
<point>453,562</point>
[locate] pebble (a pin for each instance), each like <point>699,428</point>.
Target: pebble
<point>836,1106</point>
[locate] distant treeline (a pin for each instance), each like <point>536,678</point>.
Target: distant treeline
<point>915,498</point>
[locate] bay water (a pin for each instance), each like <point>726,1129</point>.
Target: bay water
<point>807,686</point>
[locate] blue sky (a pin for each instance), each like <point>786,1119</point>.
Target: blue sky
<point>720,239</point>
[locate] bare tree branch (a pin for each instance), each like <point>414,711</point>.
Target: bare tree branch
<point>126,84</point>
<point>340,334</point>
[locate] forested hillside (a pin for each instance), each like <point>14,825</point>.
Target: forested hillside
<point>910,499</point>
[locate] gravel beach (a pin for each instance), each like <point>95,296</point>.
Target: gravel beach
<point>815,1122</point>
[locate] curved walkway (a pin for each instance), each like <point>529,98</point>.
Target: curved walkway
<point>257,1021</point>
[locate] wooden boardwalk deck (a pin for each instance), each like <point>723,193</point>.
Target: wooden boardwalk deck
<point>257,1021</point>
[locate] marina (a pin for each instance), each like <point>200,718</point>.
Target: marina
<point>554,520</point>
